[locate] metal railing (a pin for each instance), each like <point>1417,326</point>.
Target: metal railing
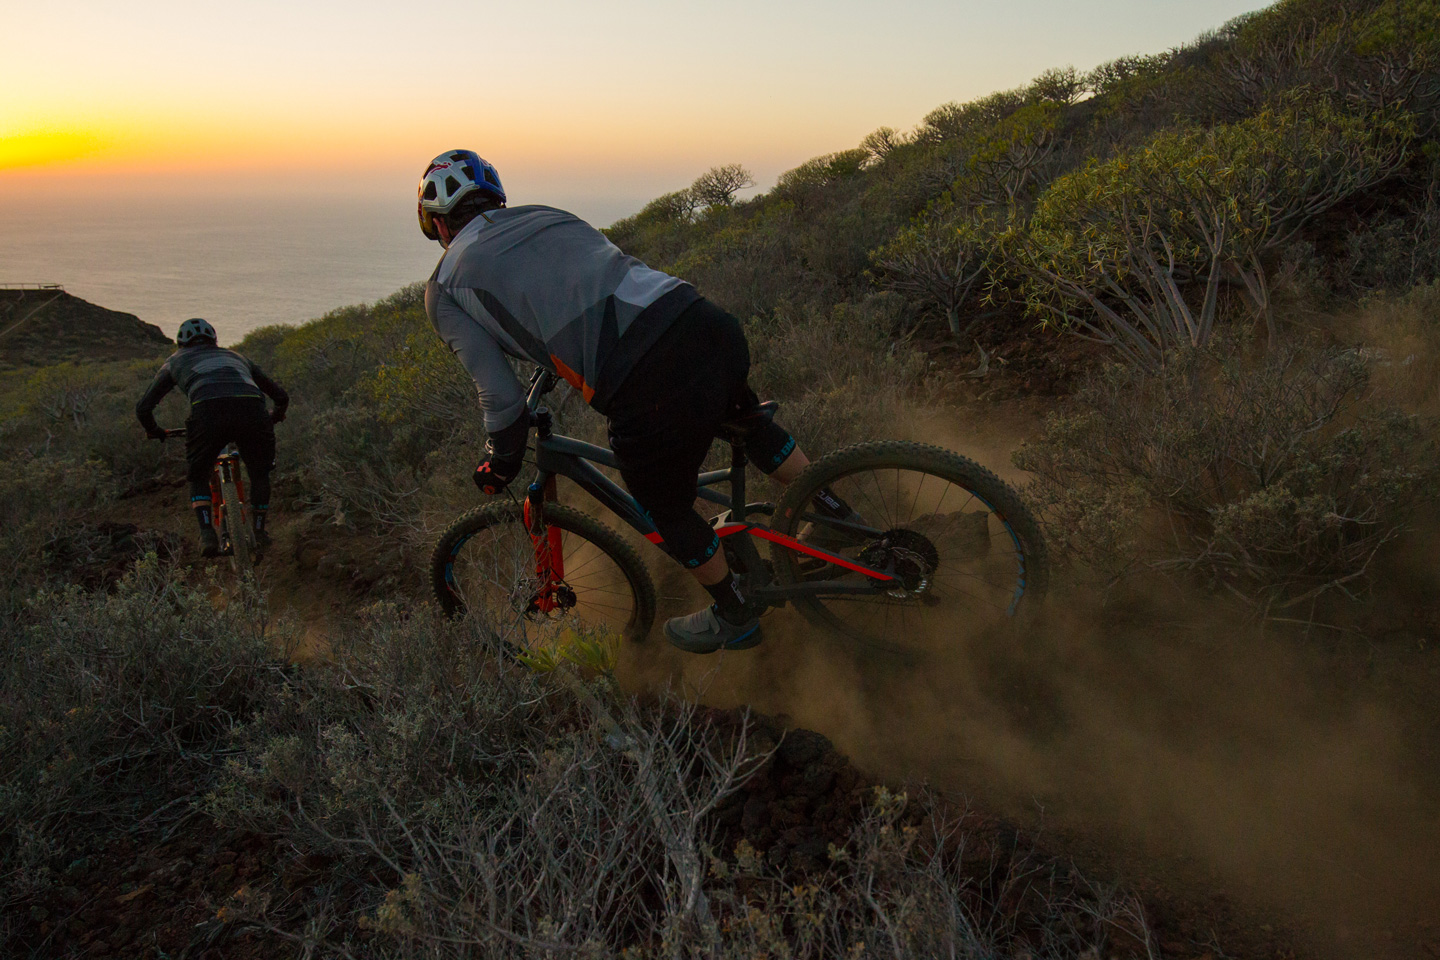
<point>33,286</point>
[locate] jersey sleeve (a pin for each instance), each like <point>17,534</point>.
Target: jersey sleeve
<point>145,410</point>
<point>272,389</point>
<point>502,396</point>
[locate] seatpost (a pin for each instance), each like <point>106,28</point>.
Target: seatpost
<point>737,482</point>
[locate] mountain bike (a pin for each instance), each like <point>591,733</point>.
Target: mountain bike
<point>942,543</point>
<point>229,511</point>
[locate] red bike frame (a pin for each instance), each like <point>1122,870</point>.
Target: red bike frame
<point>228,461</point>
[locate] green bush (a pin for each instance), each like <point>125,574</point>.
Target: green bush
<point>1277,481</point>
<point>43,502</point>
<point>113,706</point>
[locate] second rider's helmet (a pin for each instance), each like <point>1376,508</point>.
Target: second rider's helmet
<point>195,329</point>
<point>449,178</point>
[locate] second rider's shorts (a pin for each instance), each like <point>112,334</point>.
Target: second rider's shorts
<point>214,423</point>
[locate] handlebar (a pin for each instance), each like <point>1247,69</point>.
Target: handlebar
<point>180,432</point>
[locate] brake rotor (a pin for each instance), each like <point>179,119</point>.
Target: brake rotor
<point>527,599</point>
<point>909,556</point>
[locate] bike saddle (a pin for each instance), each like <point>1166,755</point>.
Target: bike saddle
<point>737,429</point>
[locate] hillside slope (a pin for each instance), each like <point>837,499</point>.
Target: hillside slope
<point>41,327</point>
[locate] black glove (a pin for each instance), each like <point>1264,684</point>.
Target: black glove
<point>277,415</point>
<point>494,475</point>
<point>156,434</point>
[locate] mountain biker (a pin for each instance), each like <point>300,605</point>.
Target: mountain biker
<point>227,404</point>
<point>665,366</point>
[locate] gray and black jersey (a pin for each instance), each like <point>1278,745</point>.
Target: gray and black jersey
<point>208,372</point>
<point>542,285</point>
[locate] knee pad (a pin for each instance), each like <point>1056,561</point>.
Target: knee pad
<point>768,446</point>
<point>689,539</point>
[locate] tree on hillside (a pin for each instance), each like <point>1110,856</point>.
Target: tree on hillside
<point>1367,54</point>
<point>822,170</point>
<point>880,142</point>
<point>939,260</point>
<point>1005,159</point>
<point>1133,253</point>
<point>956,121</point>
<point>1061,85</point>
<point>676,207</point>
<point>717,186</point>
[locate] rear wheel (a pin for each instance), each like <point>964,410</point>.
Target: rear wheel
<point>238,529</point>
<point>963,549</point>
<point>485,564</point>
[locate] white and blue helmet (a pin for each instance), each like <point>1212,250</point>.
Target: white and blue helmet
<point>450,177</point>
<point>195,329</point>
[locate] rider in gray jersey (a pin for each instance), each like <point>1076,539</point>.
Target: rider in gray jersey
<point>665,366</point>
<point>227,405</point>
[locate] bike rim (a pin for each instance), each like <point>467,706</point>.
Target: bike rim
<point>972,574</point>
<point>492,574</point>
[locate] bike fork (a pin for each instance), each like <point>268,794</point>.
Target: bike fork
<point>549,558</point>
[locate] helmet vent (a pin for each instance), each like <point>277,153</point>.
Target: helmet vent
<point>451,184</point>
<point>430,191</point>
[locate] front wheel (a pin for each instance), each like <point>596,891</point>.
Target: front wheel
<point>963,549</point>
<point>238,529</point>
<point>486,564</point>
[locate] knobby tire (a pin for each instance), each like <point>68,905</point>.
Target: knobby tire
<point>1013,532</point>
<point>237,527</point>
<point>574,524</point>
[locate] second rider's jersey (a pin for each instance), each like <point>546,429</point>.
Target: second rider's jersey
<point>206,372</point>
<point>542,285</point>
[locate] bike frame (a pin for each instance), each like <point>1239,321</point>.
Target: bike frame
<point>227,467</point>
<point>560,456</point>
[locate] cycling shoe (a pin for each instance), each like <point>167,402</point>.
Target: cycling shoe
<point>705,631</point>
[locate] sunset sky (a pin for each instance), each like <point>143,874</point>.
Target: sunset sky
<point>596,105</point>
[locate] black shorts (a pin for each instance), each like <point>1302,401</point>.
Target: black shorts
<point>666,414</point>
<point>243,421</point>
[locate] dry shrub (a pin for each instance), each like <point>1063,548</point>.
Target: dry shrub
<point>42,504</point>
<point>843,377</point>
<point>1277,480</point>
<point>907,884</point>
<point>483,805</point>
<point>113,706</point>
<point>469,806</point>
<point>1402,342</point>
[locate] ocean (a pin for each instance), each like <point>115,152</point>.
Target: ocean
<point>241,263</point>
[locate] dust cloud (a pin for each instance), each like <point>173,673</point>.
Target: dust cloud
<point>1163,737</point>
